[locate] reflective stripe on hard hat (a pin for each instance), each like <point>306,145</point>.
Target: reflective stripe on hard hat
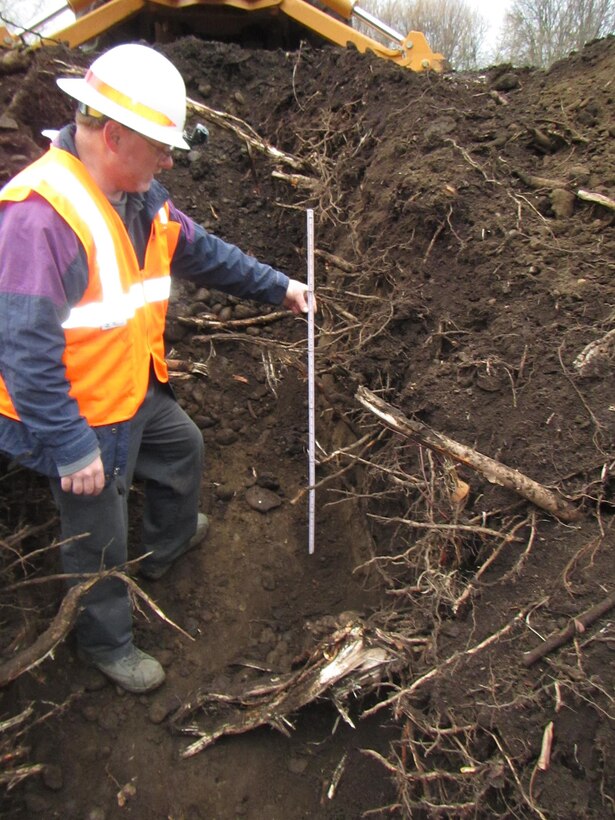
<point>122,99</point>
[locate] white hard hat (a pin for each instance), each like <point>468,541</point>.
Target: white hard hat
<point>137,87</point>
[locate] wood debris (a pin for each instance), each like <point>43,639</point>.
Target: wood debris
<point>347,662</point>
<point>492,470</point>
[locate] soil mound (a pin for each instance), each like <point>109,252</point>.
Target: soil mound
<point>464,269</point>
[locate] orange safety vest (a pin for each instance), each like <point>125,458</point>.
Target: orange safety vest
<point>117,328</point>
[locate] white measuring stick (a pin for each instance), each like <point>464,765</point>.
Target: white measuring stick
<point>311,379</point>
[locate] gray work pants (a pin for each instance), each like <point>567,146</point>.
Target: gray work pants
<point>166,452</point>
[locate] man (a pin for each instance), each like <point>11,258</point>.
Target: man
<point>88,243</point>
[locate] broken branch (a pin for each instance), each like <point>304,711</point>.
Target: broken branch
<point>576,626</point>
<point>212,321</point>
<point>297,180</point>
<point>536,182</point>
<point>63,622</point>
<point>599,199</point>
<point>50,638</point>
<point>493,471</point>
<point>245,132</point>
<point>347,652</point>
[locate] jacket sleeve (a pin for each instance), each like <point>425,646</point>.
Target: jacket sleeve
<point>43,271</point>
<point>210,261</point>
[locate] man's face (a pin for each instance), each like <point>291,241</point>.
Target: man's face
<point>137,160</point>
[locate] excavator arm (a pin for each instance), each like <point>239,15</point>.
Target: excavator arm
<point>95,18</point>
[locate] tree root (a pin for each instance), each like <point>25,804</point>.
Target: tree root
<point>596,354</point>
<point>493,471</point>
<point>63,622</point>
<point>246,133</point>
<point>349,653</point>
<point>576,626</point>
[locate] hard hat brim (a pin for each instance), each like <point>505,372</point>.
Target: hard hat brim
<point>84,93</point>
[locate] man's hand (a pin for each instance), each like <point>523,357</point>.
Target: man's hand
<point>88,481</point>
<point>296,297</point>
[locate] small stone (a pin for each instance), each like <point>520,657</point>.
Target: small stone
<point>90,713</point>
<point>507,82</point>
<point>162,708</point>
<point>243,311</point>
<point>108,721</point>
<point>490,384</point>
<point>297,765</point>
<point>267,481</point>
<point>53,777</point>
<point>261,499</point>
<point>267,635</point>
<point>165,657</point>
<point>8,123</point>
<point>226,437</point>
<point>562,202</point>
<point>93,680</point>
<point>192,627</point>
<point>204,422</point>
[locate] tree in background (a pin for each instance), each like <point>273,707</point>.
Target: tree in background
<point>20,14</point>
<point>538,32</point>
<point>451,27</point>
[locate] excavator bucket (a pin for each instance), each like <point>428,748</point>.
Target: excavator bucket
<point>92,18</point>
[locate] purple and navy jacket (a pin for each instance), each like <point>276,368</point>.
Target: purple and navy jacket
<point>43,273</point>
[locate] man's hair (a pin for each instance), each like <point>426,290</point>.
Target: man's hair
<point>93,121</point>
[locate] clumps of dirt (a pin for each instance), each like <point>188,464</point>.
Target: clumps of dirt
<point>462,272</point>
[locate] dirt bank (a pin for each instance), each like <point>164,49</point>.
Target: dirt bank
<point>461,272</point>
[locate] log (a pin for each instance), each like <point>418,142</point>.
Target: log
<point>493,471</point>
<point>576,626</point>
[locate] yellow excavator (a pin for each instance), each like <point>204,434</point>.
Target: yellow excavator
<point>223,18</point>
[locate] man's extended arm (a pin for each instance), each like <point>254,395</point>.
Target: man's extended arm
<point>209,260</point>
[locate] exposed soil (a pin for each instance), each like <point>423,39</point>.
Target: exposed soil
<point>461,289</point>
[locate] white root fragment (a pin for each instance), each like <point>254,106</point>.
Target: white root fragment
<point>545,751</point>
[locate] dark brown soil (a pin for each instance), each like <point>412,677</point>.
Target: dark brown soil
<point>461,290</point>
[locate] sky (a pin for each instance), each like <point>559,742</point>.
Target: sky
<point>493,13</point>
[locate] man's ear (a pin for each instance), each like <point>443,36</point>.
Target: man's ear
<point>112,133</point>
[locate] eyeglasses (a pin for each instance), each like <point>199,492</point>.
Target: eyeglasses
<point>163,151</point>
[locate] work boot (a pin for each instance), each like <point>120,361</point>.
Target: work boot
<point>202,527</point>
<point>136,672</point>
